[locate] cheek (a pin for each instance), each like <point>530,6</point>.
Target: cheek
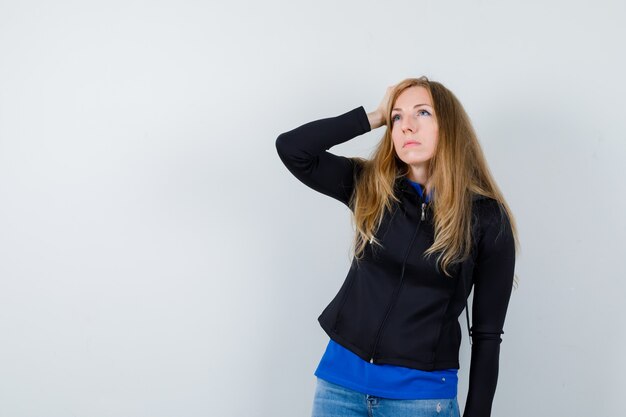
<point>434,134</point>
<point>395,140</point>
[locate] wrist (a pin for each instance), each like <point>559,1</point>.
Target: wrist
<point>376,119</point>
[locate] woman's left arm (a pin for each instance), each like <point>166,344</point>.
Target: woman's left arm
<point>493,281</point>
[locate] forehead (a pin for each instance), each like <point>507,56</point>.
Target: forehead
<point>412,96</point>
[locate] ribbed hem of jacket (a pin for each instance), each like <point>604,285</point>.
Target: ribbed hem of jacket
<point>424,366</point>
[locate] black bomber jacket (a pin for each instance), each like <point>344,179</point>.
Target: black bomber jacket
<point>395,306</point>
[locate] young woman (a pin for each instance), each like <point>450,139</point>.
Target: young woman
<point>431,223</point>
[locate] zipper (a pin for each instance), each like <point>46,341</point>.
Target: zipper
<point>397,291</point>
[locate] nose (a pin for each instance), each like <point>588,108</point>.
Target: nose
<point>409,125</point>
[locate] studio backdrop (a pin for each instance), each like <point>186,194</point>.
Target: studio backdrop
<point>157,259</point>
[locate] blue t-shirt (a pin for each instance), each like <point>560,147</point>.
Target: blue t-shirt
<point>343,367</point>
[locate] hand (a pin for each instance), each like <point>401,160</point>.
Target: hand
<point>378,117</point>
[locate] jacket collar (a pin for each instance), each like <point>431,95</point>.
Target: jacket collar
<point>403,184</point>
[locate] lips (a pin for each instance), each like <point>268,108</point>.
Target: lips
<point>411,143</point>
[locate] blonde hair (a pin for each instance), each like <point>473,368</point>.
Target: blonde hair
<point>457,171</point>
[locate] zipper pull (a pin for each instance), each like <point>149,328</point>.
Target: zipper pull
<point>372,360</point>
<point>423,208</point>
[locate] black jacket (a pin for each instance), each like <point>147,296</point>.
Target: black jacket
<point>395,306</point>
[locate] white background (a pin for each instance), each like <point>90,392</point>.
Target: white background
<point>157,259</point>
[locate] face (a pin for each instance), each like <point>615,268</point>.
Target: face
<point>414,129</point>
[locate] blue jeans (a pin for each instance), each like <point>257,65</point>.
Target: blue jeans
<point>332,400</point>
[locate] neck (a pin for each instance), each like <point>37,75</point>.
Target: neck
<point>419,173</point>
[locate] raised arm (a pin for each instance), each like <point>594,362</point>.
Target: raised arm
<point>493,280</point>
<point>304,151</point>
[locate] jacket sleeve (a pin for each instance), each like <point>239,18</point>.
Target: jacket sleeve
<point>304,151</point>
<point>493,280</point>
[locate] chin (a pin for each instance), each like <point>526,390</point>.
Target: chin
<point>414,161</point>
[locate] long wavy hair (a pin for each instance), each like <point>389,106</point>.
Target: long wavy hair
<point>457,171</point>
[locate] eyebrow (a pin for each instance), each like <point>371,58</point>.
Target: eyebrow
<point>417,105</point>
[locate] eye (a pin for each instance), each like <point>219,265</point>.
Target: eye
<point>419,112</point>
